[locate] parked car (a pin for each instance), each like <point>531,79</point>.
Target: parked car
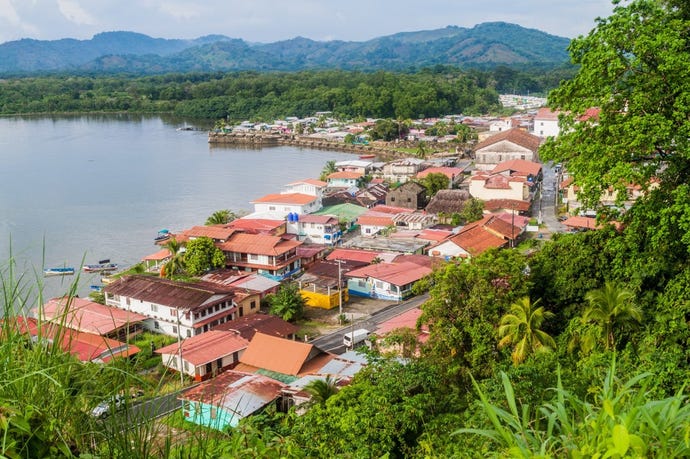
<point>108,406</point>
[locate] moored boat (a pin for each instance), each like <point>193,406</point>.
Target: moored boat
<point>61,271</point>
<point>163,235</point>
<point>102,265</point>
<point>367,156</point>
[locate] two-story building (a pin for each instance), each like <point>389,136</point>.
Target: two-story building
<point>410,195</point>
<point>173,308</point>
<point>402,170</point>
<point>344,179</point>
<point>285,203</point>
<point>311,187</point>
<point>271,256</point>
<point>315,229</point>
<point>504,146</point>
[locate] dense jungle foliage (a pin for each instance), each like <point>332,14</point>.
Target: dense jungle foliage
<point>238,96</point>
<point>574,347</point>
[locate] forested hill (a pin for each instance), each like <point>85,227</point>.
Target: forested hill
<point>485,45</point>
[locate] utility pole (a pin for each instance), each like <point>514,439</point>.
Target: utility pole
<point>340,292</point>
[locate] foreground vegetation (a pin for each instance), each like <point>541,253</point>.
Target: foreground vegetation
<point>578,349</point>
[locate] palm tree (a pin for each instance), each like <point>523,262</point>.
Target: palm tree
<point>221,217</point>
<point>327,170</point>
<point>321,389</point>
<point>611,307</point>
<point>521,328</point>
<point>176,263</point>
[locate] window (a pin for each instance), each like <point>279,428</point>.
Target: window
<point>174,329</point>
<point>271,207</point>
<point>252,305</point>
<point>186,366</point>
<point>392,198</point>
<point>189,333</point>
<point>128,302</point>
<point>173,312</point>
<point>253,257</point>
<point>156,325</point>
<point>154,307</point>
<point>522,156</point>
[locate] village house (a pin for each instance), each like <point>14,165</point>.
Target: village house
<point>260,224</point>
<point>402,323</point>
<point>173,308</point>
<point>311,187</point>
<point>487,186</point>
<point>511,206</point>
<point>455,174</point>
<point>322,284</point>
<point>504,146</point>
<point>386,281</point>
<point>86,316</point>
<point>546,123</point>
<point>402,170</point>
<point>410,195</point>
<point>474,239</point>
<point>386,246</point>
<point>204,356</point>
<point>285,203</point>
<point>244,281</point>
<point>355,165</point>
<point>346,214</point>
<point>217,233</point>
<point>373,194</point>
<point>268,324</point>
<point>344,179</point>
<point>445,203</point>
<point>315,229</point>
<point>271,256</point>
<point>155,261</point>
<point>415,221</point>
<point>221,402</point>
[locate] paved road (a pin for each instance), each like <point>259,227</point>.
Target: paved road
<point>546,205</point>
<point>334,341</point>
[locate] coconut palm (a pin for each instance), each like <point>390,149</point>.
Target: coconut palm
<point>611,307</point>
<point>521,328</point>
<point>321,389</point>
<point>176,263</point>
<point>221,217</point>
<point>327,170</point>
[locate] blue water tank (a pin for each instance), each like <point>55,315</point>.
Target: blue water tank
<point>291,217</point>
<point>296,217</point>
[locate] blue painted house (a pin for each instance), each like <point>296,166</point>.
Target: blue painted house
<point>221,402</point>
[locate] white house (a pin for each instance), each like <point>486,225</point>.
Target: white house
<point>286,203</point>
<point>344,179</point>
<point>504,146</point>
<point>487,186</point>
<point>182,309</point>
<point>315,229</point>
<point>311,187</point>
<point>546,123</point>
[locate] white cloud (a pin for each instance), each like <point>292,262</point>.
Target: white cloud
<point>181,11</point>
<point>73,12</point>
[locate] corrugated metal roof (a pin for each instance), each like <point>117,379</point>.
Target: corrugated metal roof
<point>267,324</point>
<point>399,274</point>
<point>207,347</point>
<point>259,244</point>
<point>286,198</point>
<point>276,354</point>
<point>87,316</point>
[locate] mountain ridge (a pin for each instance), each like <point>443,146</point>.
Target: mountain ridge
<point>486,44</point>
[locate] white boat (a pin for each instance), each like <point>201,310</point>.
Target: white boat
<point>58,272</point>
<point>102,265</point>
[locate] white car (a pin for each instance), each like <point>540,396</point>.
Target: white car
<point>104,408</point>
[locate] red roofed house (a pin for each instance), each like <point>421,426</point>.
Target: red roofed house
<point>546,123</point>
<point>402,323</point>
<point>352,255</point>
<point>283,204</point>
<point>315,229</point>
<point>253,225</point>
<point>86,316</point>
<point>271,256</point>
<point>217,233</point>
<point>204,356</point>
<point>471,241</point>
<point>267,324</point>
<point>386,281</point>
<point>288,358</point>
<point>174,308</point>
<point>504,146</point>
<point>454,174</point>
<point>344,179</point>
<point>223,401</point>
<point>309,186</point>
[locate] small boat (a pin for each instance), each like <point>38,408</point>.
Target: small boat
<point>58,272</point>
<point>163,235</point>
<point>96,288</point>
<point>102,265</point>
<point>367,156</point>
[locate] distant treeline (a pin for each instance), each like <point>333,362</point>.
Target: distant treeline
<point>265,96</point>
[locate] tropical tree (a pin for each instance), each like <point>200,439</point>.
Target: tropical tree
<point>176,264</point>
<point>473,210</point>
<point>435,182</point>
<point>327,170</point>
<point>611,307</point>
<point>521,328</point>
<point>288,302</point>
<point>202,255</point>
<point>221,217</point>
<point>321,389</point>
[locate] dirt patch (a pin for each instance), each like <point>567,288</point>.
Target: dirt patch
<point>319,321</point>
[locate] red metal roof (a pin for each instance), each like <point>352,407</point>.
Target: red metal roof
<point>352,254</point>
<point>276,354</point>
<point>314,182</point>
<point>267,324</point>
<point>399,274</point>
<point>207,347</point>
<point>476,240</point>
<point>215,232</point>
<point>521,166</point>
<point>259,244</point>
<point>158,256</point>
<point>86,316</point>
<point>450,172</point>
<point>256,225</point>
<point>373,220</point>
<point>345,175</point>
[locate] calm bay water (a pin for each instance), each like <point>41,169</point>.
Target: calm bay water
<point>79,189</point>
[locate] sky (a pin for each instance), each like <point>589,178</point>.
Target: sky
<point>268,21</point>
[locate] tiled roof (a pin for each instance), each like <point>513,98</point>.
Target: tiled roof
<point>450,172</point>
<point>372,220</point>
<point>184,295</point>
<point>259,244</point>
<point>514,135</point>
<point>248,326</point>
<point>352,254</point>
<point>321,219</point>
<point>158,256</point>
<point>521,166</point>
<point>407,319</point>
<point>508,204</point>
<point>390,209</point>
<point>276,354</point>
<point>546,114</point>
<point>256,225</point>
<point>476,240</point>
<point>207,347</point>
<point>434,234</point>
<point>286,198</point>
<point>215,232</point>
<point>86,316</point>
<point>345,175</point>
<point>503,228</point>
<point>394,273</point>
<point>582,222</point>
